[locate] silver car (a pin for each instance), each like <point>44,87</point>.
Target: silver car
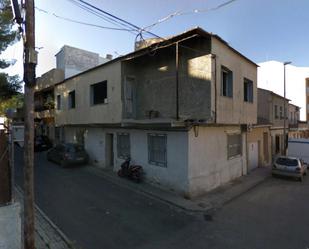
<point>289,166</point>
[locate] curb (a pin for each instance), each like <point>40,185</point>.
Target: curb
<point>69,243</point>
<point>149,194</point>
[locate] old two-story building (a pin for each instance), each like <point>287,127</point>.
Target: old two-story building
<point>70,61</point>
<point>271,110</point>
<point>179,107</point>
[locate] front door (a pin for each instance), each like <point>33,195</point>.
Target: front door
<point>109,150</point>
<point>253,154</point>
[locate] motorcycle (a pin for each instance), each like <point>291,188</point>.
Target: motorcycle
<point>133,172</point>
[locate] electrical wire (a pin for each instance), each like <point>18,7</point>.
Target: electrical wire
<point>79,22</point>
<point>102,16</point>
<point>195,11</point>
<point>124,22</point>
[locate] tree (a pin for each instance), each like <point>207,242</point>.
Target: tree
<point>9,85</point>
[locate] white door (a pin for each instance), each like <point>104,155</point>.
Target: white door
<point>253,154</point>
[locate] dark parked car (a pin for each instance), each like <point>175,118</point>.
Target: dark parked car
<point>42,143</point>
<point>67,154</point>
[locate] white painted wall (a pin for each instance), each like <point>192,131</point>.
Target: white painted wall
<point>174,176</point>
<point>209,166</point>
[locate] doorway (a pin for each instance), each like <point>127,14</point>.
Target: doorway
<point>109,150</point>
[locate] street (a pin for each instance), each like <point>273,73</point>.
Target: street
<point>99,214</point>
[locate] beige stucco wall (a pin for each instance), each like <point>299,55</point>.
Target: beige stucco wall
<point>234,110</point>
<point>209,166</point>
<point>84,112</point>
<point>49,79</point>
<point>279,122</point>
<point>257,135</point>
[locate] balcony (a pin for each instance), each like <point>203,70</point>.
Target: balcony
<point>44,114</point>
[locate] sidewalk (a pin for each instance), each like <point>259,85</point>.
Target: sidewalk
<point>47,235</point>
<point>206,203</point>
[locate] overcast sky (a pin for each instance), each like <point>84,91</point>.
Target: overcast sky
<point>260,29</point>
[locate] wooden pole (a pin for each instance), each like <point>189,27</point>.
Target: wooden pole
<point>29,79</point>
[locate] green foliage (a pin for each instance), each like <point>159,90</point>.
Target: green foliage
<point>9,85</point>
<point>14,102</point>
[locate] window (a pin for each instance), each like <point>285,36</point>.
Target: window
<point>234,143</point>
<point>276,112</point>
<point>71,99</point>
<point>157,149</point>
<point>123,145</point>
<point>226,82</point>
<point>58,102</point>
<point>281,112</point>
<point>248,90</point>
<point>98,93</point>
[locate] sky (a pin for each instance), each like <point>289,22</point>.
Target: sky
<point>262,30</point>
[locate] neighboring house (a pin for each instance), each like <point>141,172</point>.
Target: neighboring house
<point>271,77</point>
<point>44,105</point>
<point>70,61</point>
<point>179,107</point>
<point>271,111</point>
<point>259,145</point>
<point>307,99</point>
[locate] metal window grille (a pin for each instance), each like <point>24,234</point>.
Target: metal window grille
<point>157,149</point>
<point>123,145</point>
<point>234,143</point>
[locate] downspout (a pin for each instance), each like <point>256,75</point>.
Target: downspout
<point>177,81</point>
<point>215,81</point>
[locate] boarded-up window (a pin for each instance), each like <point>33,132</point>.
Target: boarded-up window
<point>157,153</point>
<point>234,143</point>
<point>123,145</point>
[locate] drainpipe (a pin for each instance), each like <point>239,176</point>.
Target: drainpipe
<point>177,81</point>
<point>215,80</point>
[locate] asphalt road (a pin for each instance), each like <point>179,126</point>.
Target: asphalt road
<point>98,214</point>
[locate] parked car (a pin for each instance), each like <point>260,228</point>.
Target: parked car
<point>42,143</point>
<point>289,166</point>
<point>67,154</point>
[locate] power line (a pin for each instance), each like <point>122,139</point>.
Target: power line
<point>100,15</point>
<point>118,18</point>
<point>195,11</point>
<point>79,22</point>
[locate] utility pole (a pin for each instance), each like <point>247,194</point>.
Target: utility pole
<point>30,61</point>
<point>284,108</point>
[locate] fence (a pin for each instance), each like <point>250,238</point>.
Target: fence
<point>5,174</point>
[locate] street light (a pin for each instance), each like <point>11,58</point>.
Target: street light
<point>284,110</point>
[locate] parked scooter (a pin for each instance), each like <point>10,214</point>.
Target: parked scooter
<point>133,172</point>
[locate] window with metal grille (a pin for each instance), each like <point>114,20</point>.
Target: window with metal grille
<point>226,82</point>
<point>157,153</point>
<point>123,145</point>
<point>248,90</point>
<point>234,143</point>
